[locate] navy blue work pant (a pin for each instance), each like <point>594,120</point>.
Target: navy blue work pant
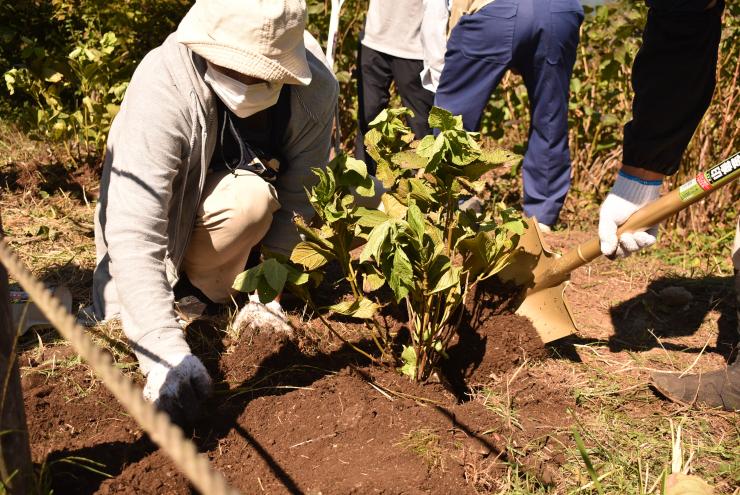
<point>538,39</point>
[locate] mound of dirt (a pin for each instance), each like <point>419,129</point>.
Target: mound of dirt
<point>293,416</point>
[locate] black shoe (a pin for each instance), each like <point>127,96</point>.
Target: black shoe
<point>718,389</point>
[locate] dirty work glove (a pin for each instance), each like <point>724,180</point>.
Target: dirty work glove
<point>627,196</point>
<point>178,385</point>
<point>266,317</point>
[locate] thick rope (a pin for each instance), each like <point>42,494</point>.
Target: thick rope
<point>157,424</point>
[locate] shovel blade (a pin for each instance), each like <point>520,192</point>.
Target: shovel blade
<point>545,307</point>
<point>549,313</point>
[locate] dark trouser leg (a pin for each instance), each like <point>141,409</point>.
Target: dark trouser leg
<point>736,264</point>
<point>373,84</point>
<point>546,165</point>
<point>673,77</point>
<point>478,54</point>
<point>406,74</point>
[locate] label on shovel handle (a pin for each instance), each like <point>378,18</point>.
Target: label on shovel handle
<point>706,181</point>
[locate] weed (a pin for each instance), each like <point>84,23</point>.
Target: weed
<point>426,444</point>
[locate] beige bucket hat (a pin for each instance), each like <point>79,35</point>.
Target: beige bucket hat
<point>259,38</point>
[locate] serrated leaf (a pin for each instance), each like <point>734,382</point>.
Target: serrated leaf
<point>247,281</point>
<point>515,226</point>
<point>393,207</point>
<point>402,274</point>
<point>372,282</point>
<point>375,242</point>
<point>310,255</point>
<point>369,218</point>
<point>363,309</point>
<point>449,278</point>
<point>265,291</point>
<point>409,362</point>
<point>444,120</point>
<point>415,220</point>
<point>409,159</point>
<point>275,273</point>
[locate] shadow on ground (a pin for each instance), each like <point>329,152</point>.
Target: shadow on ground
<point>640,322</point>
<point>278,373</point>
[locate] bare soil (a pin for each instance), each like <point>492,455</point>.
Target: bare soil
<point>307,415</point>
<point>304,415</point>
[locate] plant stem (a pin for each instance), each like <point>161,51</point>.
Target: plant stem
<point>336,334</point>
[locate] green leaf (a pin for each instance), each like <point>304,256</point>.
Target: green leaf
<point>463,149</point>
<point>409,159</point>
<point>449,278</point>
<point>247,281</point>
<point>420,191</point>
<point>402,274</point>
<point>297,277</point>
<point>386,174</point>
<point>265,291</point>
<point>366,188</point>
<point>363,309</point>
<point>375,242</point>
<point>393,207</point>
<point>415,219</point>
<point>476,252</point>
<point>409,362</point>
<point>444,120</point>
<point>431,146</point>
<point>369,218</point>
<point>275,274</point>
<point>354,165</point>
<point>498,156</point>
<point>310,255</point>
<point>514,226</point>
<point>372,282</point>
<point>54,78</point>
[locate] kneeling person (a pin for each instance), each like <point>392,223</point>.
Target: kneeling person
<point>208,156</point>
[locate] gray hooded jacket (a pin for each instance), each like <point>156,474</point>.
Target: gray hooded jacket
<point>159,149</point>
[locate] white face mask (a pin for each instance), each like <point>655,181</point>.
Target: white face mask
<point>242,99</point>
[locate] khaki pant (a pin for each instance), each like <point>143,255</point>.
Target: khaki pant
<point>234,214</point>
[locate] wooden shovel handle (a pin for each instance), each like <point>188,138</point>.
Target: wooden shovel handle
<point>653,213</point>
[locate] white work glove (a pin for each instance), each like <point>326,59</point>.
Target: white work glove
<point>178,385</point>
<point>262,317</point>
<point>626,197</point>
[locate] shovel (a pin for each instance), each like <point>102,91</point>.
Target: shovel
<point>543,274</point>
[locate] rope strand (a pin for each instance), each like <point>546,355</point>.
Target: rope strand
<point>169,437</point>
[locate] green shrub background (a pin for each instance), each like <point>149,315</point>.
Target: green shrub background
<point>67,64</point>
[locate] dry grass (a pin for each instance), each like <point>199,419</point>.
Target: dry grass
<point>625,427</point>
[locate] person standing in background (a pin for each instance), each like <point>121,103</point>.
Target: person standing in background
<point>537,39</point>
<point>391,51</point>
